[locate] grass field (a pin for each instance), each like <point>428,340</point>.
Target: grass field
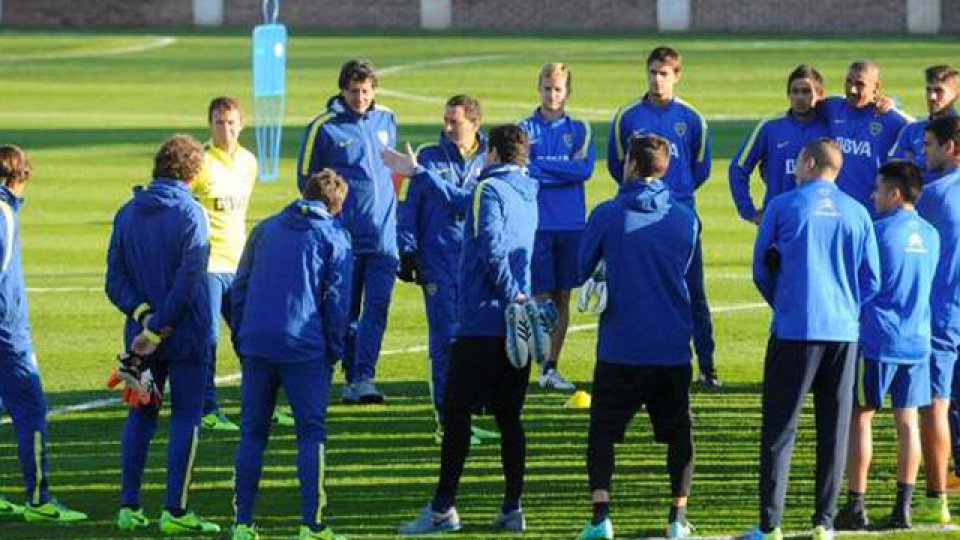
<point>91,109</point>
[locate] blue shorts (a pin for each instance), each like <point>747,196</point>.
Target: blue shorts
<point>554,264</point>
<point>945,348</point>
<point>907,384</point>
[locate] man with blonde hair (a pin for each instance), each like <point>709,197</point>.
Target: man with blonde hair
<point>561,161</point>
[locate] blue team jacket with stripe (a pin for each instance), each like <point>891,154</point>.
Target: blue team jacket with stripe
<point>909,145</point>
<point>350,144</point>
<point>158,254</point>
<point>14,319</point>
<point>829,265</point>
<point>497,248</point>
<point>561,160</point>
<point>773,145</point>
<point>682,125</point>
<point>865,137</point>
<point>290,301</point>
<point>939,204</point>
<point>647,240</point>
<point>427,222</point>
<point>895,324</point>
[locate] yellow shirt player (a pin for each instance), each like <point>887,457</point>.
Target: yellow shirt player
<point>224,188</point>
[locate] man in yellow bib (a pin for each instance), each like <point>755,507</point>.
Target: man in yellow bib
<point>224,188</point>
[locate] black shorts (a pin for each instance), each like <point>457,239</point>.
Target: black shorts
<point>620,390</point>
<point>481,378</point>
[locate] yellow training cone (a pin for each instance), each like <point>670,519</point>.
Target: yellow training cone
<point>579,400</point>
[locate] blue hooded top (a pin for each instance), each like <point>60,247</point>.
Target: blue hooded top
<point>427,222</point>
<point>290,301</point>
<point>350,144</point>
<point>647,240</point>
<point>14,319</point>
<point>157,257</point>
<point>497,248</point>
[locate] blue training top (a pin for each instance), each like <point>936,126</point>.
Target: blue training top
<point>939,204</point>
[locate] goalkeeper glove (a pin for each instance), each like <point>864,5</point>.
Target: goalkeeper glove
<point>409,271</point>
<point>593,293</point>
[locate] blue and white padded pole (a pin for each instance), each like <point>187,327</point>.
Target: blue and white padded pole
<point>269,88</point>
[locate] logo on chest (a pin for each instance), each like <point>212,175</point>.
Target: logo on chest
<point>680,128</point>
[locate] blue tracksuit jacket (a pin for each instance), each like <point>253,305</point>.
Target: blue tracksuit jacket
<point>865,138</point>
<point>680,124</point>
<point>939,204</point>
<point>895,324</point>
<point>561,160</point>
<point>350,144</point>
<point>829,263</point>
<point>15,339</point>
<point>290,301</point>
<point>427,223</point>
<point>647,241</point>
<point>774,145</point>
<point>158,255</point>
<point>497,247</point>
<point>909,145</point>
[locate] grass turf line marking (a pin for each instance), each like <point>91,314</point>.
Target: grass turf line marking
<point>155,43</point>
<point>107,402</point>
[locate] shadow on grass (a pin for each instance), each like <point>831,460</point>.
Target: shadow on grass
<point>383,463</point>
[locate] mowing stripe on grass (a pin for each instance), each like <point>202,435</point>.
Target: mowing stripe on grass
<point>154,43</point>
<point>107,402</point>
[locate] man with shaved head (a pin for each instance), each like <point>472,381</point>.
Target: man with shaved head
<point>864,133</point>
<point>816,263</point>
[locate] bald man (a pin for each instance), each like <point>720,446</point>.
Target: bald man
<point>865,133</point>
<point>816,297</point>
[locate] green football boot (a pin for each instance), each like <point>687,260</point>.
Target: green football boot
<point>52,510</point>
<point>9,508</point>
<point>244,532</point>
<point>217,421</point>
<point>325,533</point>
<point>282,418</point>
<point>129,519</point>
<point>932,510</point>
<point>187,523</point>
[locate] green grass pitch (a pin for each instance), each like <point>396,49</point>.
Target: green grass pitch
<point>91,109</point>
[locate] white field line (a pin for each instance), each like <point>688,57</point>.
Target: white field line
<point>107,402</point>
<point>154,43</point>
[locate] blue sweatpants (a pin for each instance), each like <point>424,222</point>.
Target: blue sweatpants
<point>306,385</point>
<point>22,395</point>
<point>703,342</point>
<point>373,277</point>
<point>219,286</point>
<point>186,406</point>
<point>440,299</point>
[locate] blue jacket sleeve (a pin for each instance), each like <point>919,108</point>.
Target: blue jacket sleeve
<point>700,151</point>
<point>119,287</point>
<point>576,170</point>
<point>763,278</point>
<point>591,245</point>
<point>336,291</point>
<point>408,215</point>
<point>194,253</point>
<point>901,148</point>
<point>868,275</point>
<point>742,165</point>
<point>241,281</point>
<point>615,150</point>
<point>491,245</point>
<point>455,197</point>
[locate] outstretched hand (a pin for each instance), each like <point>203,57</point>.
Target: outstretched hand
<point>399,162</point>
